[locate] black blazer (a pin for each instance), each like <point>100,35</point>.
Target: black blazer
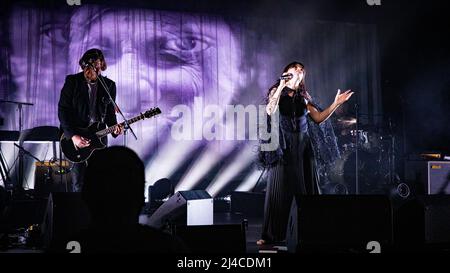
<point>73,106</point>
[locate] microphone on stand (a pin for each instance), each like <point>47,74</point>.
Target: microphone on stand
<point>90,63</point>
<point>85,64</point>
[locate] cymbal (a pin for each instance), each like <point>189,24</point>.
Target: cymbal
<point>346,122</point>
<point>350,124</point>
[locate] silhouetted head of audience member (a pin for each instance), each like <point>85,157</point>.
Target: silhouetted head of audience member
<point>114,194</point>
<point>114,187</point>
<point>162,188</point>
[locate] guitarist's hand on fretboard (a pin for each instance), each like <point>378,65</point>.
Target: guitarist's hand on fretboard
<point>80,141</point>
<point>118,130</point>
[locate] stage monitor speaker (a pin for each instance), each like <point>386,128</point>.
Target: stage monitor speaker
<point>22,213</point>
<point>194,207</point>
<point>250,204</point>
<point>339,223</point>
<point>430,177</point>
<point>213,238</point>
<point>48,178</point>
<point>423,221</point>
<point>66,215</point>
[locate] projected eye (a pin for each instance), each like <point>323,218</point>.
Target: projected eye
<point>190,43</point>
<point>175,51</point>
<point>55,33</point>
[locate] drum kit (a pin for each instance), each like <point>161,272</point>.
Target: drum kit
<point>367,163</point>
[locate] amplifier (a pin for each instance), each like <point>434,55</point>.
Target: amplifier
<point>433,177</point>
<point>48,178</point>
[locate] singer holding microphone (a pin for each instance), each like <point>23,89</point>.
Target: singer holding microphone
<point>291,170</point>
<point>84,101</point>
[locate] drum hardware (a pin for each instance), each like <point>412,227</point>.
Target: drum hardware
<point>368,158</point>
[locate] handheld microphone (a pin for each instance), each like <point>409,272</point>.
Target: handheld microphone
<point>287,76</point>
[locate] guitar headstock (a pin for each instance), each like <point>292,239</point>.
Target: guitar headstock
<point>152,112</point>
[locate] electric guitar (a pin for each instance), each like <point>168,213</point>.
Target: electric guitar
<point>97,134</point>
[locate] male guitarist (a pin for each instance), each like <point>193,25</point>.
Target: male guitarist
<point>84,101</point>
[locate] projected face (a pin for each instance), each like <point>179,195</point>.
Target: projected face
<point>156,58</point>
<point>159,58</point>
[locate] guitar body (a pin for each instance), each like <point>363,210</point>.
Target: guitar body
<point>78,155</point>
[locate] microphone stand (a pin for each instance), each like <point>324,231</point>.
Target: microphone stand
<point>19,107</point>
<point>392,153</point>
<point>25,152</point>
<point>4,171</point>
<point>127,125</point>
<point>357,140</point>
<point>259,179</point>
<point>356,150</point>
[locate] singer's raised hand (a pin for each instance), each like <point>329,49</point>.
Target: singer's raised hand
<point>285,77</point>
<point>342,97</point>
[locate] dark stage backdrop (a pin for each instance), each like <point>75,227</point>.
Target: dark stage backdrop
<point>181,60</point>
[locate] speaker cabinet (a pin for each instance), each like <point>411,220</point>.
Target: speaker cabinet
<point>194,207</point>
<point>251,204</point>
<point>66,215</point>
<point>422,222</point>
<point>334,223</point>
<point>430,177</point>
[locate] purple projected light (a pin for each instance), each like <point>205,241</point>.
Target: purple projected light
<point>156,59</point>
<point>168,59</point>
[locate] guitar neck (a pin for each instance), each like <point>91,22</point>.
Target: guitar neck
<point>111,129</point>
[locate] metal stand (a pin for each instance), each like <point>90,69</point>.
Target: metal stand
<point>20,109</point>
<point>125,140</point>
<point>392,171</point>
<point>259,179</point>
<point>4,170</point>
<point>25,152</point>
<point>356,151</point>
<point>127,125</point>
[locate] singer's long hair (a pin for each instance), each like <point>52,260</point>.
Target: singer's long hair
<point>302,87</point>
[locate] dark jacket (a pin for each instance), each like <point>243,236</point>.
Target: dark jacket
<point>73,106</point>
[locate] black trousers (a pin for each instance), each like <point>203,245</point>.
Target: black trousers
<point>77,173</point>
